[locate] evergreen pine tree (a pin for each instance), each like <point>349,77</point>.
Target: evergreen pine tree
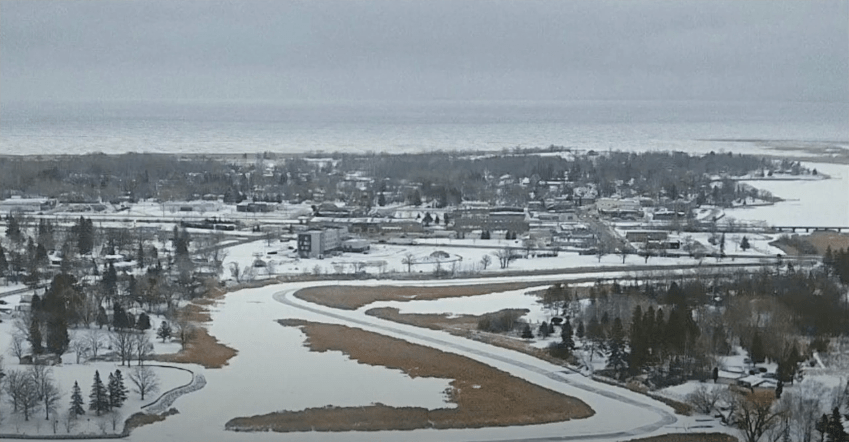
<point>164,331</point>
<point>112,389</point>
<point>637,339</point>
<point>41,258</point>
<point>77,408</point>
<point>143,322</point>
<point>526,332</point>
<point>110,281</point>
<point>101,318</point>
<point>822,426</point>
<point>543,330</point>
<point>617,360</point>
<point>117,390</point>
<point>57,335</point>
<point>133,290</point>
<point>85,236</point>
<point>35,338</point>
<point>4,264</point>
<point>33,276</point>
<point>648,328</point>
<point>65,265</point>
<point>54,306</point>
<point>13,229</point>
<point>119,317</point>
<point>756,349</point>
<point>744,244</point>
<point>98,399</point>
<point>140,255</point>
<point>834,430</point>
<point>580,332</point>
<point>566,334</point>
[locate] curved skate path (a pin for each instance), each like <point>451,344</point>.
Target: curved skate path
<point>619,412</point>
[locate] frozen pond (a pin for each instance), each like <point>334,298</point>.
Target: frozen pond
<point>807,203</point>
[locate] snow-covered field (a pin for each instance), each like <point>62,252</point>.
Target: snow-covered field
<point>385,259</point>
<point>69,372</point>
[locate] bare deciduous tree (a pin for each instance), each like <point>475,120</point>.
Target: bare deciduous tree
<point>79,347</point>
<point>22,391</point>
<point>234,271</point>
<point>42,378</point>
<point>115,417</point>
<point>69,421</point>
<point>17,346</point>
<point>408,261</point>
<point>704,398</point>
<point>486,261</point>
<point>145,380</point>
<point>504,256</point>
<point>93,338</point>
<point>142,347</point>
<point>755,414</point>
<point>185,329</point>
<point>123,342</point>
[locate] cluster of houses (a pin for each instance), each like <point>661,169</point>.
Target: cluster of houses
<point>553,224</point>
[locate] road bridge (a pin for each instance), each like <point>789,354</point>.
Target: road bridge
<point>808,229</point>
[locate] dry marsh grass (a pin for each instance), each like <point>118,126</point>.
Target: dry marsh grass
<point>203,349</point>
<point>485,396</point>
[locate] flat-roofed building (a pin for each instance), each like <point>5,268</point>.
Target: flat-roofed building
<point>317,243</point>
<point>18,204</point>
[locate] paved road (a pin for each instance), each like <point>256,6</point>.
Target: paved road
<point>572,383</point>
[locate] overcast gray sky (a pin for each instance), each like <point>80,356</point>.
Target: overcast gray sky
<point>379,50</point>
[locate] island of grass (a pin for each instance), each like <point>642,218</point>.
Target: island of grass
<point>349,297</point>
<point>479,391</point>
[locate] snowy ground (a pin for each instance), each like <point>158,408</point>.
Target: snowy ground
<point>385,259</point>
<point>69,371</point>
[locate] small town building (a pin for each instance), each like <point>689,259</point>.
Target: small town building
<point>639,236</point>
<point>355,245</point>
<point>621,208</point>
<point>191,206</point>
<point>256,207</point>
<point>317,243</point>
<point>512,219</point>
<point>18,204</point>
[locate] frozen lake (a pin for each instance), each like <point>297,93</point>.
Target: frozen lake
<point>807,203</point>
